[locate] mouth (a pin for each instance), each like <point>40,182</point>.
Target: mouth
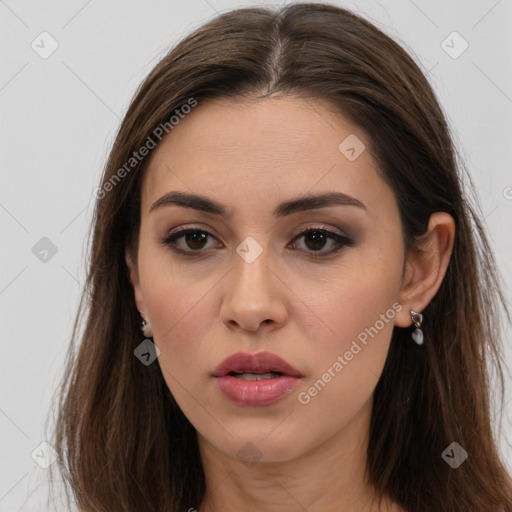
<point>256,379</point>
<point>258,366</point>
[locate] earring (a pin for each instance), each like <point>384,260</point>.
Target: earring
<point>417,334</point>
<point>143,326</point>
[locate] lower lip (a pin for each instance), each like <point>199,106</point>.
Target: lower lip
<point>257,392</point>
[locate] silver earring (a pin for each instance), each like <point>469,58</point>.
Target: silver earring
<point>143,326</point>
<point>417,334</point>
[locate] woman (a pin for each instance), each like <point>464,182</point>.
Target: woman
<point>291,305</point>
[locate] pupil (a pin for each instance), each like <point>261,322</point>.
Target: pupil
<point>195,238</point>
<point>318,240</point>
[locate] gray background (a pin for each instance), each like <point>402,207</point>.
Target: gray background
<point>59,117</point>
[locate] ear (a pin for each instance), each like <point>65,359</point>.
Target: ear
<point>139,298</point>
<point>425,270</point>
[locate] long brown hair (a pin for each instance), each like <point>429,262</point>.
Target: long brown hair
<point>124,444</point>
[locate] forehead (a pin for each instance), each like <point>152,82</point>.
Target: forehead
<point>271,149</point>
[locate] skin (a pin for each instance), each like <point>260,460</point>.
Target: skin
<point>250,156</point>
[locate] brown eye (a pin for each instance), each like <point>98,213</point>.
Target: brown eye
<point>193,242</point>
<point>187,241</point>
<point>316,239</point>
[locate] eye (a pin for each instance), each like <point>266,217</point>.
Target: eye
<point>194,241</point>
<point>317,238</point>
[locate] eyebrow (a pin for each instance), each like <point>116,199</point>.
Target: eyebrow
<point>308,202</point>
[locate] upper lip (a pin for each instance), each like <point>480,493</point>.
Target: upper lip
<point>260,362</point>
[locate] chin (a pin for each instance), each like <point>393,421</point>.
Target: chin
<point>261,448</point>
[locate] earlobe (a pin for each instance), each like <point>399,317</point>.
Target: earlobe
<point>426,269</point>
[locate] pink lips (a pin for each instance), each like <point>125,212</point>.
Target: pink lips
<point>256,392</point>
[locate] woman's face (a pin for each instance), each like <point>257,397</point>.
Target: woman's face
<point>251,281</point>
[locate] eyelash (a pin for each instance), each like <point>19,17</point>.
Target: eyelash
<point>341,241</point>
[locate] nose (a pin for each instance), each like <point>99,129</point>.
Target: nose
<point>254,296</point>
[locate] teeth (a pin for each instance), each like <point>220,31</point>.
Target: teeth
<point>255,376</point>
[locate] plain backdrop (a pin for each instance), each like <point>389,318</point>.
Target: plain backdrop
<point>60,112</point>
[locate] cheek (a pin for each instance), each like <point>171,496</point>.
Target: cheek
<point>358,308</point>
<point>173,290</point>
<point>179,312</point>
<point>180,306</point>
<point>358,317</point>
<point>357,299</point>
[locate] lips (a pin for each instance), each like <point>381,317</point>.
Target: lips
<point>259,363</point>
<point>256,379</point>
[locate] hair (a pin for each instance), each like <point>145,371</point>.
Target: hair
<point>123,442</point>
